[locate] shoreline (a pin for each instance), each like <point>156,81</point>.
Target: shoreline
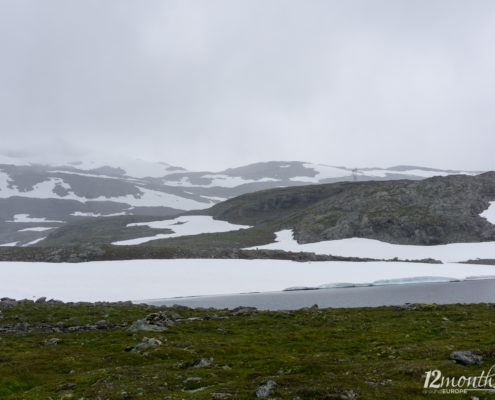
<point>469,291</point>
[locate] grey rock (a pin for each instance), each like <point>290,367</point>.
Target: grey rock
<point>41,300</point>
<point>66,386</point>
<point>145,344</point>
<point>156,322</point>
<point>204,362</point>
<point>244,310</point>
<point>349,394</point>
<point>221,394</point>
<point>264,391</point>
<point>466,357</point>
<point>52,341</point>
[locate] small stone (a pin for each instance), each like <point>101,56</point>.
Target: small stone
<point>204,362</point>
<point>349,394</point>
<point>66,386</point>
<point>52,341</point>
<point>221,393</point>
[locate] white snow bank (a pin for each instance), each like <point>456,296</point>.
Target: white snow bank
<point>25,218</point>
<point>37,229</point>
<point>11,244</point>
<point>147,279</point>
<point>370,248</point>
<point>183,226</point>
<point>217,180</point>
<point>92,214</point>
<point>383,282</point>
<point>34,242</point>
<point>489,213</point>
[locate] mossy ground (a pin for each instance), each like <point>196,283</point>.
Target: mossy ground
<point>379,353</point>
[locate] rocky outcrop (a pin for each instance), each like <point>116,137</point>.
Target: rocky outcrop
<point>432,211</point>
<point>156,322</point>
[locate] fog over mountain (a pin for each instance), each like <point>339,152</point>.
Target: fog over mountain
<point>209,85</point>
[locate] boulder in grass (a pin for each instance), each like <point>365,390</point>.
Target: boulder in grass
<point>145,344</point>
<point>264,390</point>
<point>466,357</point>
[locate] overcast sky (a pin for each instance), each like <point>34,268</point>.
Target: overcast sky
<point>214,84</point>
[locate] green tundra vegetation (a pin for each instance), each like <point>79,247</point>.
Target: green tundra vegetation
<point>78,351</point>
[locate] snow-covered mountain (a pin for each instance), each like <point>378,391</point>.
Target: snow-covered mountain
<point>36,197</point>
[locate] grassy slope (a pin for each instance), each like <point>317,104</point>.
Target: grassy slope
<point>380,353</point>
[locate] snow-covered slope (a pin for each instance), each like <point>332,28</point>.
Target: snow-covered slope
<point>182,226</point>
<point>64,191</point>
<point>369,248</point>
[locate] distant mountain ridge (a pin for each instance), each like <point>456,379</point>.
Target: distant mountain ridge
<point>36,198</point>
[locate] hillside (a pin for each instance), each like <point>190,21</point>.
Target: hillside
<point>36,198</point>
<point>432,211</point>
<point>436,210</point>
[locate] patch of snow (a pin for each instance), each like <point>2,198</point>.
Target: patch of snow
<point>154,198</point>
<point>84,174</point>
<point>148,198</point>
<point>132,166</point>
<point>489,213</point>
<point>370,248</point>
<point>475,278</point>
<point>381,282</point>
<point>182,226</point>
<point>11,244</point>
<point>37,229</point>
<point>383,173</point>
<point>414,279</point>
<point>5,181</point>
<point>85,214</point>
<point>34,242</point>
<point>217,180</point>
<point>307,179</point>
<point>145,279</point>
<point>42,190</point>
<point>214,198</point>
<point>25,218</point>
<point>327,172</point>
<point>92,214</point>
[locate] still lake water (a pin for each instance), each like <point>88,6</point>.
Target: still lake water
<point>471,291</point>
